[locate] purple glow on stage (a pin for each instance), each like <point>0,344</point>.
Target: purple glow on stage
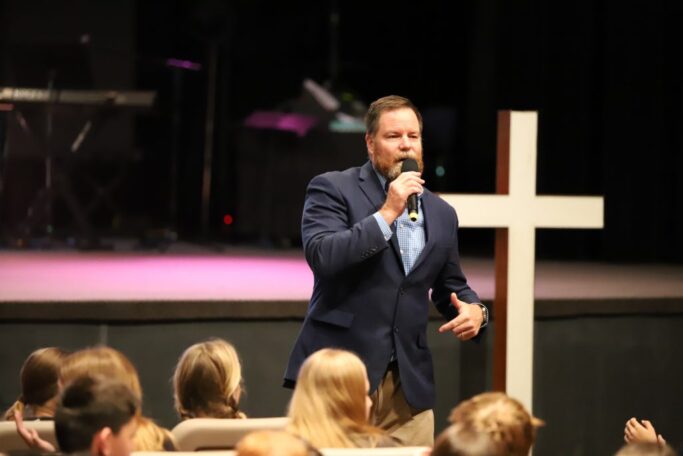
<point>128,276</point>
<point>297,123</point>
<point>184,64</point>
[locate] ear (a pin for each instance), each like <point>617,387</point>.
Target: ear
<point>101,442</point>
<point>370,144</point>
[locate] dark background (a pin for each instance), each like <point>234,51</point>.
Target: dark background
<point>603,76</point>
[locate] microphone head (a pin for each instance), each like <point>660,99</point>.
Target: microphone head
<point>409,164</point>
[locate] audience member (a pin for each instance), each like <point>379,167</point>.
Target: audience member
<point>274,443</point>
<point>463,440</point>
<point>641,432</point>
<point>330,405</point>
<point>207,382</point>
<point>39,378</point>
<point>97,416</point>
<point>111,363</point>
<point>511,428</point>
<point>646,449</point>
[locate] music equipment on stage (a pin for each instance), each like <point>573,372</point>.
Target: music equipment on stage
<point>113,98</point>
<point>36,113</point>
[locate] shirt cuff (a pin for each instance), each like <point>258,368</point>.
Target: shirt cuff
<point>386,230</point>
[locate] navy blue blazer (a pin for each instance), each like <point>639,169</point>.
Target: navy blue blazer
<point>362,299</point>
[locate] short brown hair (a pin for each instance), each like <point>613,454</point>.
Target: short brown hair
<point>90,404</point>
<point>385,104</point>
<point>464,440</point>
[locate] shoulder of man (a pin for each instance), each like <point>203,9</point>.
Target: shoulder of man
<point>339,177</point>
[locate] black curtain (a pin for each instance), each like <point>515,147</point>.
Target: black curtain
<point>605,80</point>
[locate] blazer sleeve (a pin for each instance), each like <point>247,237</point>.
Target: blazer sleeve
<point>332,240</point>
<point>452,279</point>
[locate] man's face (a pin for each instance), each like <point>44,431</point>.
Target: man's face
<point>398,137</point>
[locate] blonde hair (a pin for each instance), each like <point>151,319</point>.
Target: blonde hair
<point>645,449</point>
<point>151,437</point>
<point>39,378</point>
<point>271,443</point>
<point>328,407</point>
<point>208,381</point>
<point>504,419</point>
<point>103,361</point>
<point>110,363</point>
<point>462,440</point>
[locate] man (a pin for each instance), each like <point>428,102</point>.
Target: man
<point>374,267</point>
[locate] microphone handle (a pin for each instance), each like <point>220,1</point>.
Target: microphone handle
<point>412,207</point>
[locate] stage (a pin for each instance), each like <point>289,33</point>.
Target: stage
<point>607,336</point>
<point>194,283</point>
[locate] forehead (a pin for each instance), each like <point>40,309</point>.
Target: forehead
<point>399,119</point>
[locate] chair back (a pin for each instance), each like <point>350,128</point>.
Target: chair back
<point>220,434</point>
<point>10,440</point>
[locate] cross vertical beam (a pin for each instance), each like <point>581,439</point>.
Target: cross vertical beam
<point>516,211</point>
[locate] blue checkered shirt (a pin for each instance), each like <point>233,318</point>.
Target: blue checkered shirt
<point>411,235</point>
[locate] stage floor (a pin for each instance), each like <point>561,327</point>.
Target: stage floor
<point>257,284</point>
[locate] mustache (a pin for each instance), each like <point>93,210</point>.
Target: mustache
<point>405,157</point>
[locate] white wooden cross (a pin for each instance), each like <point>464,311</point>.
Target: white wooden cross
<point>516,211</point>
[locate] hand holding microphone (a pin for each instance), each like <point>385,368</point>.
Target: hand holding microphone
<point>403,192</point>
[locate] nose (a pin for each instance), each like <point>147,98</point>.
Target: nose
<point>405,142</point>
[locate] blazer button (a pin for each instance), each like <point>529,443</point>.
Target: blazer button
<point>396,329</point>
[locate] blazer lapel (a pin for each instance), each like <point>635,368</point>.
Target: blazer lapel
<point>430,223</point>
<point>370,186</point>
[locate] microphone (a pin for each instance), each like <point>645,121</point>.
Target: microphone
<point>411,165</point>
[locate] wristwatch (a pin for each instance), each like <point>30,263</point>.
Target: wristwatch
<point>485,314</point>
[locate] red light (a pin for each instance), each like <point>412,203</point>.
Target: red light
<point>227,219</point>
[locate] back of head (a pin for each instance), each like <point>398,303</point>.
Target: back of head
<point>329,400</point>
<point>39,379</point>
<point>103,361</point>
<point>88,405</point>
<point>463,440</point>
<point>271,443</point>
<point>207,381</point>
<point>504,419</point>
<point>645,449</point>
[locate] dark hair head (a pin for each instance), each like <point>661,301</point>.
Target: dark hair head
<point>385,104</point>
<point>89,404</point>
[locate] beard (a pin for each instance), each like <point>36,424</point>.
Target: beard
<point>391,171</point>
